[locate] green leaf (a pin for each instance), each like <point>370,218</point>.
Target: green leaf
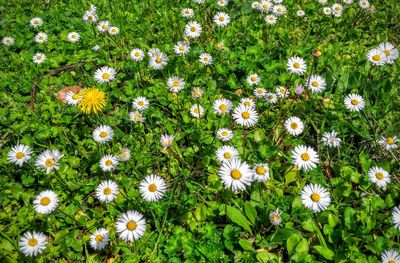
<point>266,257</point>
<point>245,244</point>
<point>237,217</point>
<point>201,212</point>
<point>325,252</point>
<point>250,212</point>
<point>292,242</point>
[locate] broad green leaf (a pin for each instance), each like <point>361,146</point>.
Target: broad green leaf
<point>237,217</point>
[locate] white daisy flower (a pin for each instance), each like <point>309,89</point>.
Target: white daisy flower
<point>235,174</point>
<point>96,48</point>
<point>197,93</point>
<point>124,155</point>
<point>247,102</point>
<point>89,17</point>
<point>277,1</point>
<point>330,139</point>
<point>282,92</point>
<point>107,191</point>
<point>327,10</point>
<point>221,19</point>
<point>136,116</point>
<point>297,65</point>
<point>389,143</point>
<point>182,48</point>
<point>159,61</point>
<point>140,103</point>
<point>279,10</point>
<point>222,3</point>
<point>354,102</point>
<point>41,37</point>
<point>99,239</point>
<point>113,30</point>
<point>271,97</point>
<point>349,2</point>
<point>48,160</point>
<point>391,52</point>
<point>39,58</point>
<point>8,41</point>
<point>396,217</point>
<point>166,140</point>
<point>379,176</point>
<point>315,197</point>
<point>245,116</point>
<point>300,13</point>
<point>137,54</point>
<point>193,29</point>
<point>275,217</point>
<point>265,6</point>
<point>390,256</point>
<point>316,83</point>
<point>226,152</point>
<point>222,106</point>
<point>364,4</point>
<point>255,5</point>
<point>152,188</point>
<point>294,126</point>
<point>36,22</point>
<point>271,19</point>
<point>103,133</point>
<point>205,59</point>
<point>108,162</point>
<point>322,2</point>
<point>259,92</point>
<point>261,172</point>
<point>187,12</point>
<point>19,154</point>
<point>224,134</point>
<point>199,1</point>
<point>105,74</point>
<point>337,9</point>
<point>175,84</point>
<point>73,37</point>
<point>32,243</point>
<point>131,226</point>
<point>305,157</point>
<point>46,202</point>
<point>72,98</point>
<point>103,26</point>
<point>253,79</point>
<point>376,56</point>
<point>154,52</point>
<point>196,111</point>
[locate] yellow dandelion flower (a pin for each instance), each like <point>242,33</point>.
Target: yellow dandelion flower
<point>93,100</point>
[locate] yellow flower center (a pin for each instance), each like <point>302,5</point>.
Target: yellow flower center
<point>45,201</point>
<point>140,103</point>
<point>99,238</point>
<point>315,84</point>
<point>224,133</point>
<point>246,115</point>
<point>39,57</point>
<point>235,174</point>
<point>265,6</point>
<point>387,52</point>
<point>73,36</point>
<point>113,30</point>
<point>193,29</point>
<point>175,83</point>
<point>104,26</point>
<point>205,59</point>
<point>136,117</point>
<point>137,54</point>
<point>181,48</point>
<point>260,91</point>
<point>392,261</point>
<point>315,197</point>
<point>337,9</point>
<point>219,45</point>
<point>152,188</point>
<point>389,141</point>
<point>196,93</point>
<point>296,65</point>
<point>109,163</point>
<point>293,125</point>
<point>279,9</point>
<point>158,60</point>
<point>187,12</point>
<point>253,78</point>
<point>32,242</point>
<point>105,75</point>
<point>221,18</point>
<point>223,107</point>
<point>274,218</point>
<point>376,58</point>
<point>107,191</point>
<point>90,17</point>
<point>41,38</point>
<point>379,175</point>
<point>20,155</point>
<point>282,90</point>
<point>260,170</point>
<point>103,134</point>
<point>354,102</point>
<point>196,110</point>
<point>36,22</point>
<point>131,225</point>
<point>305,157</point>
<point>271,96</point>
<point>227,155</point>
<point>49,162</point>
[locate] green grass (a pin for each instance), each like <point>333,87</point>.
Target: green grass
<point>198,219</point>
